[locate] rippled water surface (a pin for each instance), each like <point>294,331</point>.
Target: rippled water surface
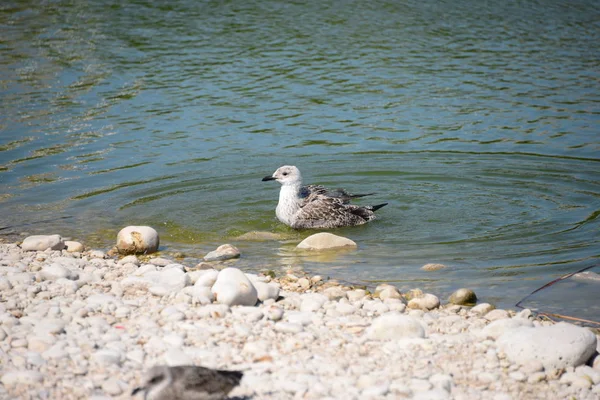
<point>477,121</point>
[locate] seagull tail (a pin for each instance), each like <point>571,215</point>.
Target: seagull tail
<point>378,206</point>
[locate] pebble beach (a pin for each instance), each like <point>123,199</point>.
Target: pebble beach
<point>80,323</point>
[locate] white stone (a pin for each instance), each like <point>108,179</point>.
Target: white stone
<point>137,240</point>
<point>12,378</point>
<point>497,328</point>
<point>202,295</point>
<point>556,346</point>
<point>496,314</point>
<point>312,302</point>
<point>5,284</point>
<point>395,326</point>
<point>49,326</point>
<point>274,313</point>
<point>234,288</point>
<point>356,294</point>
<point>56,271</point>
<point>74,247</point>
<point>172,279</point>
<point>324,241</point>
<point>223,252</point>
<point>206,277</point>
<point>334,293</point>
<point>106,357</point>
<point>131,259</point>
<point>288,327</point>
<point>589,372</point>
<point>427,301</point>
<point>266,290</point>
<point>43,242</point>
<point>442,381</point>
<point>482,309</point>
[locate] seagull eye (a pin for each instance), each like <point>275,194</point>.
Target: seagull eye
<point>155,379</point>
<point>285,174</point>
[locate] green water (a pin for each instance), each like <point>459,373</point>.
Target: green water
<point>478,122</point>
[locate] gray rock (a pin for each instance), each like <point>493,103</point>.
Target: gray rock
<point>463,297</point>
<point>558,346</point>
<point>43,242</point>
<point>266,290</point>
<point>223,252</point>
<point>137,240</point>
<point>395,326</point>
<point>325,241</point>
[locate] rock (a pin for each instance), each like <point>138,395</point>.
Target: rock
<point>334,293</point>
<point>206,277</point>
<point>356,294</point>
<point>172,279</point>
<point>97,254</point>
<point>106,357</point>
<point>463,297</point>
<point>223,252</point>
<point>432,267</point>
<point>482,309</point>
<point>497,328</point>
<point>426,301</point>
<point>312,302</point>
<point>202,295</point>
<point>558,346</point>
<point>160,261</point>
<point>288,327</point>
<point>258,236</point>
<point>274,313</point>
<point>13,378</point>
<point>324,241</point>
<point>395,326</point>
<point>496,314</point>
<point>56,271</point>
<point>234,288</point>
<point>267,290</point>
<point>74,247</point>
<point>137,240</point>
<point>49,326</point>
<point>129,260</point>
<point>304,283</point>
<point>43,242</point>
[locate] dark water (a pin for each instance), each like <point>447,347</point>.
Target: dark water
<point>477,121</point>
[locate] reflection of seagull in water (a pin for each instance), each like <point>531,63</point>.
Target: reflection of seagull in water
<point>187,382</point>
<point>314,206</point>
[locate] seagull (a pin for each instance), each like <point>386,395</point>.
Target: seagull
<point>187,382</point>
<point>314,206</point>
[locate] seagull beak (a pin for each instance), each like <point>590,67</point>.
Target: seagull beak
<point>268,178</point>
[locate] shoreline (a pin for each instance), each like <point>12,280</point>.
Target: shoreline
<point>87,325</point>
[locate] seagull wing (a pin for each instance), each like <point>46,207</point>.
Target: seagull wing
<point>204,380</point>
<point>327,212</point>
<point>308,190</point>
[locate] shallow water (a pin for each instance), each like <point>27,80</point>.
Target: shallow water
<point>476,121</point>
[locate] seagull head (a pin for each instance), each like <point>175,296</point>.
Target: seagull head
<point>286,175</point>
<point>155,380</point>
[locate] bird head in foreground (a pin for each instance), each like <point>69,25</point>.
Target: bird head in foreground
<point>156,379</point>
<point>286,175</point>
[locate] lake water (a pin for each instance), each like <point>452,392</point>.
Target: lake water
<point>478,121</point>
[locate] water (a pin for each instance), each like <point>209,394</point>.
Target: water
<point>477,121</point>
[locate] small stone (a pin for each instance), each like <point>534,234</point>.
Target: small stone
<point>42,243</point>
<point>258,236</point>
<point>312,302</point>
<point>266,291</point>
<point>274,313</point>
<point>395,326</point>
<point>113,387</point>
<point>304,283</point>
<point>12,378</point>
<point>97,254</point>
<point>223,252</point>
<point>518,376</point>
<point>234,288</point>
<point>137,240</point>
<point>497,328</point>
<point>106,357</point>
<point>131,259</point>
<point>74,247</point>
<point>160,261</point>
<point>425,302</point>
<point>442,381</point>
<point>206,277</point>
<point>288,327</point>
<point>356,294</point>
<point>482,309</point>
<point>56,271</point>
<point>433,267</point>
<point>334,293</point>
<point>496,314</point>
<point>463,297</point>
<point>324,241</point>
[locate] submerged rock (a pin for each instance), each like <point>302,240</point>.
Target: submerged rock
<point>259,236</point>
<point>137,240</point>
<point>433,267</point>
<point>223,252</point>
<point>43,242</point>
<point>324,241</point>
